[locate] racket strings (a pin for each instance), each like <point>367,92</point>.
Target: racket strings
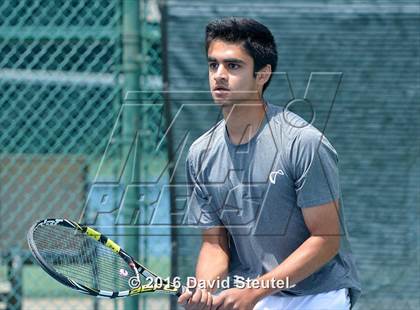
<point>82,259</point>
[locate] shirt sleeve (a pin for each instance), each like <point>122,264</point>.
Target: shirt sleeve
<point>315,166</point>
<point>200,209</point>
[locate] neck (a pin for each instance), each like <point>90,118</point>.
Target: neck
<point>243,120</point>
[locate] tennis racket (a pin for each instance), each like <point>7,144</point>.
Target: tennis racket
<point>91,263</point>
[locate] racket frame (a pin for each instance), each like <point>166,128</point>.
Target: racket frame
<point>160,284</point>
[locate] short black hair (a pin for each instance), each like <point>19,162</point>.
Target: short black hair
<point>256,38</point>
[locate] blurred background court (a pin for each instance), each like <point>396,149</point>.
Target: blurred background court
<point>100,100</point>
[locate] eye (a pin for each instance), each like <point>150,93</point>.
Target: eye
<point>212,65</point>
<point>233,66</point>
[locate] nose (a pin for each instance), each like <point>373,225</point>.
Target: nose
<point>221,73</point>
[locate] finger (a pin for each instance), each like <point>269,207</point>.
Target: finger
<point>217,301</point>
<point>183,299</point>
<point>209,301</point>
<point>196,297</point>
<point>203,300</point>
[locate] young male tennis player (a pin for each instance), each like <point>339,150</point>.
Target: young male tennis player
<point>264,187</point>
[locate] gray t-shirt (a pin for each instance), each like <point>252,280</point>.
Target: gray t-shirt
<point>256,191</point>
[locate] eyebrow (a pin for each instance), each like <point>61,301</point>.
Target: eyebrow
<point>233,60</point>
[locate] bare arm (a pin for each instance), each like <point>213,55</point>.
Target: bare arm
<point>213,262</point>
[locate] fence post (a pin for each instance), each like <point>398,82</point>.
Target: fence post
<point>131,119</point>
<point>14,275</point>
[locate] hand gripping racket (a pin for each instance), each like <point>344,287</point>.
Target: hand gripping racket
<point>91,263</point>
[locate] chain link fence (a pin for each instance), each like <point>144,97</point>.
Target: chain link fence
<point>62,86</point>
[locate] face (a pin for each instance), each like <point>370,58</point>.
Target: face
<point>231,75</point>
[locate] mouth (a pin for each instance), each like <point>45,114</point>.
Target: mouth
<point>220,88</point>
<point>220,91</point>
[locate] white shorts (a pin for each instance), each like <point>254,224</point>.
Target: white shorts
<point>333,300</point>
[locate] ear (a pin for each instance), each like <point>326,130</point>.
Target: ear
<point>264,75</point>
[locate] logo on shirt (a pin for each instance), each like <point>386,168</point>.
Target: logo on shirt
<point>274,174</point>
